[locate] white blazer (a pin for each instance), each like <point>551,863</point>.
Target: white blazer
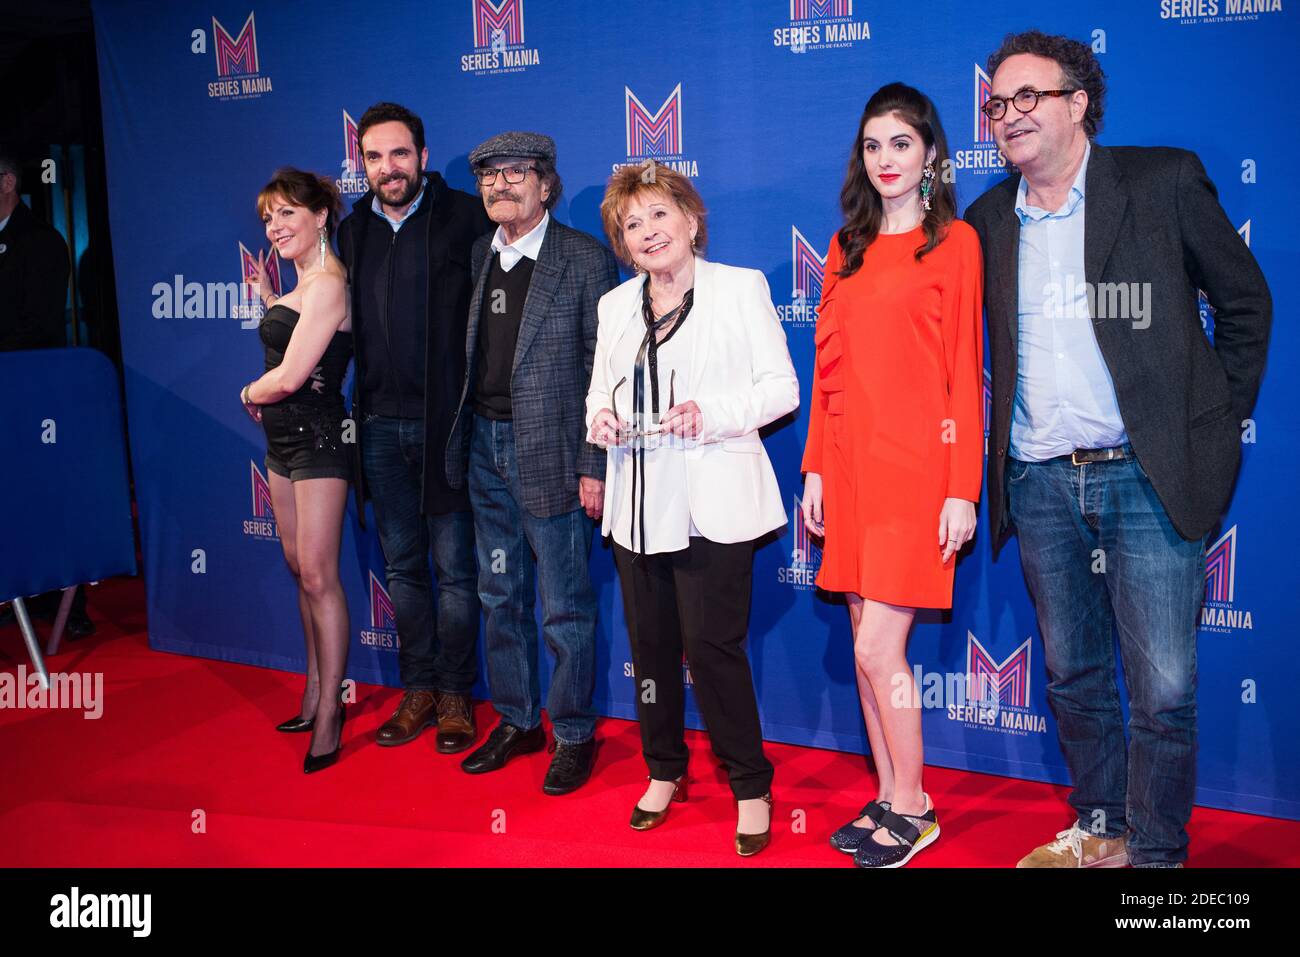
<point>741,377</point>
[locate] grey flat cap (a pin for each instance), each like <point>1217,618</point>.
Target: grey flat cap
<point>514,143</point>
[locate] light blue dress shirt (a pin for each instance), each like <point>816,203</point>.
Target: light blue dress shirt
<point>378,208</point>
<point>1065,398</point>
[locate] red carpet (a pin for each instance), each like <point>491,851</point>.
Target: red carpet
<point>182,735</point>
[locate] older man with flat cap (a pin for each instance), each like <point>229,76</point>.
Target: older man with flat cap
<point>519,442</point>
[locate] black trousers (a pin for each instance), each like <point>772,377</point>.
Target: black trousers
<point>694,601</point>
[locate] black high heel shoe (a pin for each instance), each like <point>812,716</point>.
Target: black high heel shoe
<point>319,762</point>
<point>298,724</point>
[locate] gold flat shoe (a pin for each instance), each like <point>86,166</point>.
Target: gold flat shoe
<point>643,820</point>
<point>747,845</point>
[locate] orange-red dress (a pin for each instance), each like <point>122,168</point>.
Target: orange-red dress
<point>897,419</point>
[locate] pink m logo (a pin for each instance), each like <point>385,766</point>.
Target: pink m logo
<point>658,133</point>
<point>805,551</point>
<point>820,9</point>
<point>983,90</point>
<point>1006,681</point>
<point>988,403</point>
<point>1221,568</point>
<point>248,270</point>
<point>809,267</point>
<point>235,56</point>
<point>351,145</point>
<point>505,18</point>
<point>381,606</point>
<point>262,507</point>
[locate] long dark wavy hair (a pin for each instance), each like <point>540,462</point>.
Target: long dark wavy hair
<point>863,209</point>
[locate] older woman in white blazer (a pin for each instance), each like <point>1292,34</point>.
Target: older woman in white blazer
<point>690,362</point>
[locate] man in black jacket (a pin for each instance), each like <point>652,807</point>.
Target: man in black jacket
<point>33,271</point>
<point>407,248</point>
<point>1114,439</point>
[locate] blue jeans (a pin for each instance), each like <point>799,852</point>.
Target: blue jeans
<point>516,550</point>
<point>1098,550</point>
<point>436,654</point>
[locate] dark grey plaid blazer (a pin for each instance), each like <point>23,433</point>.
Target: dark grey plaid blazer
<point>552,369</point>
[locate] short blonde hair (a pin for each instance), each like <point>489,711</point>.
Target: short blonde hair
<point>630,182</point>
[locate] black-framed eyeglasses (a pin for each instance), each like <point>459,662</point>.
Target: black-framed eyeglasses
<point>996,107</point>
<point>487,175</point>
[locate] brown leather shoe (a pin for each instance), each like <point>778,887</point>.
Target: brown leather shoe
<point>456,730</point>
<point>413,715</point>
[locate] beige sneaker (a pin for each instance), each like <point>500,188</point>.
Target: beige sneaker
<point>1077,848</point>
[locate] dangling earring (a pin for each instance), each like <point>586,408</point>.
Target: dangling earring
<point>323,244</point>
<point>927,186</point>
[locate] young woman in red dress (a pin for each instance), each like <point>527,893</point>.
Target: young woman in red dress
<point>894,455</point>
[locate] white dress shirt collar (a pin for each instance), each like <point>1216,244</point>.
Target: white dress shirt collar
<point>529,244</point>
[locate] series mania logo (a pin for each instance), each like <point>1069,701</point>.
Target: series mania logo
<point>655,137</point>
<point>262,524</point>
<point>1220,613</point>
<point>805,555</point>
<point>239,69</point>
<point>646,689</point>
<point>382,632</point>
<point>984,155</point>
<point>499,45</point>
<point>1188,12</point>
<point>996,692</point>
<point>820,25</point>
<point>807,268</point>
<point>352,171</point>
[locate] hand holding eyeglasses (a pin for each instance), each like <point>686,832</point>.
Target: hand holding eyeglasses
<point>685,420</point>
<point>607,429</point>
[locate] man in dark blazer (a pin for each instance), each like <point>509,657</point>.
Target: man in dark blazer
<point>406,246</point>
<point>535,483</point>
<point>1114,440</point>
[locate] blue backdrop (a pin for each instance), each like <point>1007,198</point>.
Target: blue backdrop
<point>758,102</point>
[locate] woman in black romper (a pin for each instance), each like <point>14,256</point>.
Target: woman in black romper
<point>299,401</point>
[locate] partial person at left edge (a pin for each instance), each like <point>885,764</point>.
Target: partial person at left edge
<point>34,270</point>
